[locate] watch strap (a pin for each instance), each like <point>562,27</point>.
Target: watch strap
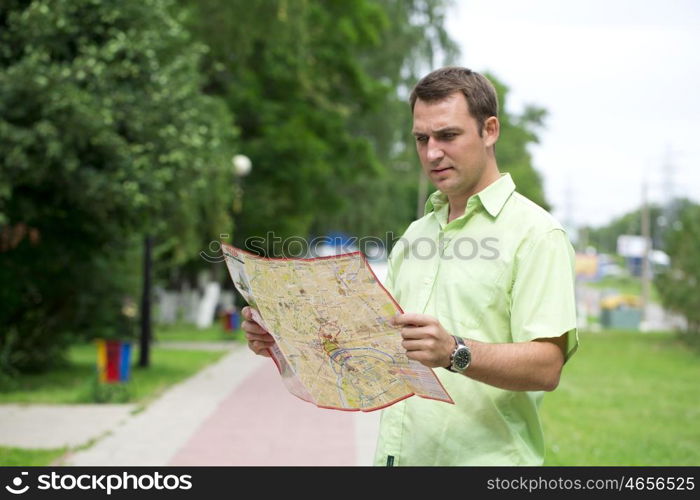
<point>458,342</point>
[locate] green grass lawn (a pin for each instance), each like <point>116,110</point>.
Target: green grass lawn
<point>184,332</point>
<point>74,383</point>
<point>626,285</point>
<point>19,457</point>
<point>626,398</point>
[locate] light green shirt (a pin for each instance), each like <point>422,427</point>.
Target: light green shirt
<point>502,272</point>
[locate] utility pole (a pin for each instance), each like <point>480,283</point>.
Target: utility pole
<point>669,204</point>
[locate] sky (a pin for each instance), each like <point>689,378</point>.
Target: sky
<point>620,81</point>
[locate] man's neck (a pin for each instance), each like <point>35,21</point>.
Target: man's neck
<point>458,203</point>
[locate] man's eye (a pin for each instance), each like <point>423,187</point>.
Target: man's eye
<point>448,136</point>
<point>421,138</point>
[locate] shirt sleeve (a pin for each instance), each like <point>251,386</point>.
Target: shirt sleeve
<point>543,302</point>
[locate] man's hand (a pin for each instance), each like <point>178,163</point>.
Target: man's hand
<point>425,339</point>
<point>259,340</point>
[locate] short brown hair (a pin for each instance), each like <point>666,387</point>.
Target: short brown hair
<point>479,91</point>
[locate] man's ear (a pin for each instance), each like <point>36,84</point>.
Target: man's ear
<point>492,129</point>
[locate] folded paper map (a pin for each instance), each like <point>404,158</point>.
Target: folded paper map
<point>334,345</point>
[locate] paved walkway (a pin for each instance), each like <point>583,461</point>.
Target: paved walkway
<point>58,426</point>
<point>234,412</point>
<point>191,345</point>
<point>261,423</point>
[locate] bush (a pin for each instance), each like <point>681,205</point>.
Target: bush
<point>100,392</point>
<point>104,135</point>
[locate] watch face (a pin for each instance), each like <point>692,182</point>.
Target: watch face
<point>462,359</point>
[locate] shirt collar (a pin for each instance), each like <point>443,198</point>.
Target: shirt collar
<point>493,197</point>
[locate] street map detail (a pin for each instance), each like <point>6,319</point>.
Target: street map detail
<point>330,318</point>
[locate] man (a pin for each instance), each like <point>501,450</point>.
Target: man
<point>486,280</point>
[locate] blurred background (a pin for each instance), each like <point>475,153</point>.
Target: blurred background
<point>137,135</point>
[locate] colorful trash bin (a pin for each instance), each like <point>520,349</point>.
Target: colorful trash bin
<point>235,320</point>
<point>231,320</point>
<point>113,360</point>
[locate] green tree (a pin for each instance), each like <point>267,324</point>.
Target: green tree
<point>413,41</point>
<point>104,135</point>
<point>518,132</point>
<point>604,238</point>
<point>288,72</point>
<point>314,87</point>
<point>679,285</point>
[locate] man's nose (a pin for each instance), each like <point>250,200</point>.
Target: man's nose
<point>435,152</point>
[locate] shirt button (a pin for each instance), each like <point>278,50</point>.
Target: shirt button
<point>427,281</point>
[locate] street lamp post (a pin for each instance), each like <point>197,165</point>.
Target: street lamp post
<point>146,333</point>
<point>241,167</point>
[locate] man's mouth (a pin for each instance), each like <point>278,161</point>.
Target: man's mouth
<point>440,169</point>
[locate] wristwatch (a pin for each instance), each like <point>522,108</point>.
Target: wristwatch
<point>461,357</point>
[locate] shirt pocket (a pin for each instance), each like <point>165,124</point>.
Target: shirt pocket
<point>472,285</point>
<point>414,279</point>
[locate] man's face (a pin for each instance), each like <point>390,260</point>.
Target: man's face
<point>453,154</point>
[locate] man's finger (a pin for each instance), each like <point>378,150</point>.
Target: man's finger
<point>247,313</point>
<point>253,327</point>
<point>413,319</point>
<point>258,347</point>
<point>266,337</point>
<point>413,345</point>
<point>261,348</point>
<point>414,332</point>
<point>416,356</point>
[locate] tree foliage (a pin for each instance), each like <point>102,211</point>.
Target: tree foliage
<point>518,132</point>
<point>679,285</point>
<point>604,238</point>
<point>104,134</point>
<point>320,91</point>
<point>314,88</point>
<point>413,42</point>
